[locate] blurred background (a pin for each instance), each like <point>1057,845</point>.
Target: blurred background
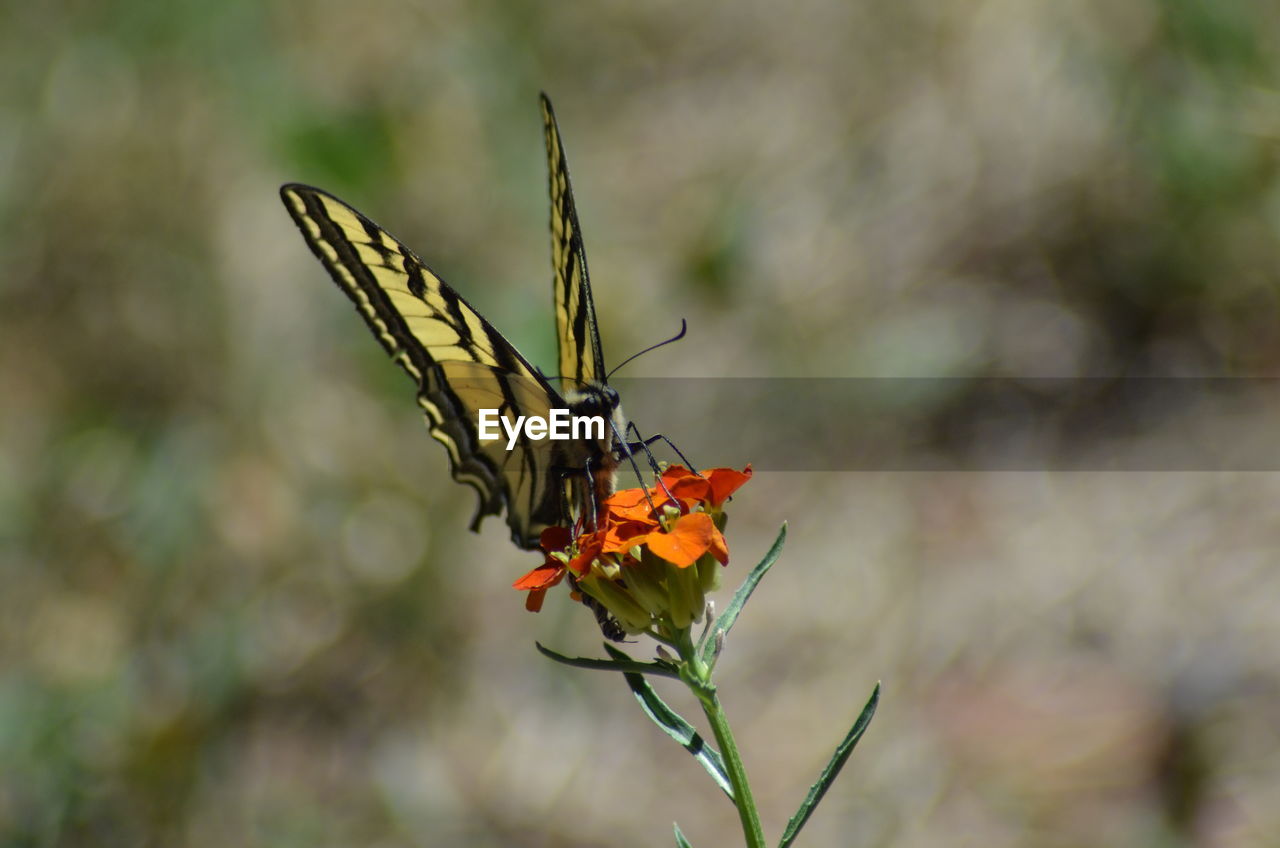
<point>239,604</point>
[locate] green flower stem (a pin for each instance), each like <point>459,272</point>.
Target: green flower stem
<point>697,676</point>
<point>742,796</point>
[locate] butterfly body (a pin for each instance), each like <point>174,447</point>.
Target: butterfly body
<point>462,364</point>
<point>600,399</point>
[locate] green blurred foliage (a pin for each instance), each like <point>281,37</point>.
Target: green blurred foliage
<point>239,604</point>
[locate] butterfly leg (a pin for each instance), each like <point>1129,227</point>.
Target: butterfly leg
<point>637,445</point>
<point>575,501</point>
<point>628,449</point>
<point>642,443</point>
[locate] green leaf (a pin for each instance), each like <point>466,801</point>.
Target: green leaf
<point>681,842</point>
<point>829,773</point>
<point>720,628</point>
<point>675,726</point>
<point>626,665</point>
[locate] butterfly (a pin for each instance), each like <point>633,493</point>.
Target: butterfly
<point>462,364</point>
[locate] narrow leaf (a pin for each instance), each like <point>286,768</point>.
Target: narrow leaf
<point>624,664</point>
<point>707,648</point>
<point>829,773</point>
<point>681,842</point>
<point>676,727</point>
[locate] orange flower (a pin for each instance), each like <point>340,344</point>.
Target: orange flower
<point>688,539</point>
<point>631,562</point>
<point>711,488</point>
<point>552,541</point>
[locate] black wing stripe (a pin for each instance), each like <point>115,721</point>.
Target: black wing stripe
<point>454,310</point>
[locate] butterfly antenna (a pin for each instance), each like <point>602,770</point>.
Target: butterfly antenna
<point>677,337</point>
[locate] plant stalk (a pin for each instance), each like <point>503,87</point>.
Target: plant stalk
<point>742,797</point>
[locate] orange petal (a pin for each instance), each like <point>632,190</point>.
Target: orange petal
<point>547,574</point>
<point>628,508</point>
<point>681,483</point>
<point>624,538</point>
<point>533,601</point>
<point>689,487</point>
<point>589,547</point>
<point>725,481</point>
<point>672,473</point>
<point>555,539</point>
<point>719,547</point>
<point>639,515</point>
<point>643,521</point>
<point>690,537</point>
<point>625,499</point>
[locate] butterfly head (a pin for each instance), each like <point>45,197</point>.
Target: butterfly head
<point>598,399</point>
<point>594,398</point>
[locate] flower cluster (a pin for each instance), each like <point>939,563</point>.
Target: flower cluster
<point>653,555</point>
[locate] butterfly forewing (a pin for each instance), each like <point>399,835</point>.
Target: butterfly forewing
<point>459,361</point>
<point>577,337</point>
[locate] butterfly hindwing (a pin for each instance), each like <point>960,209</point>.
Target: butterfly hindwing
<point>459,361</point>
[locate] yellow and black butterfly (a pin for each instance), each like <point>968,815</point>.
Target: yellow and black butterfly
<point>462,364</point>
